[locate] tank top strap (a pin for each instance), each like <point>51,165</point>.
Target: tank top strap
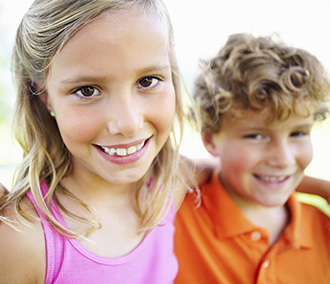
<point>54,241</point>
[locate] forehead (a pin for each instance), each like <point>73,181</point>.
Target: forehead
<point>114,20</point>
<point>121,23</point>
<point>131,36</point>
<point>247,118</point>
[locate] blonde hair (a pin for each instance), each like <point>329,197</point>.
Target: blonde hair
<point>261,73</point>
<point>45,28</point>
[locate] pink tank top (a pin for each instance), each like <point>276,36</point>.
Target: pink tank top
<point>151,262</point>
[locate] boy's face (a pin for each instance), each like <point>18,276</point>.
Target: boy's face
<point>261,164</point>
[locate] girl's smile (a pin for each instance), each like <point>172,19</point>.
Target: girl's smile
<point>122,150</point>
<point>122,154</point>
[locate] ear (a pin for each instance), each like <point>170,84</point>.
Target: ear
<point>208,141</point>
<point>45,99</point>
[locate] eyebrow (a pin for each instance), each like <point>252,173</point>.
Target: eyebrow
<point>254,128</point>
<point>306,125</point>
<point>149,69</point>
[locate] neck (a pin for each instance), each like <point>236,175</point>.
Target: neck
<point>273,219</point>
<point>96,192</point>
<point>115,211</point>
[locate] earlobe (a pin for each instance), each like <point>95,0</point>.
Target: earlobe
<point>208,141</point>
<point>46,101</point>
<point>44,98</point>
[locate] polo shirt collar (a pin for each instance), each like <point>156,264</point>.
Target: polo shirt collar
<point>227,218</point>
<point>229,221</point>
<point>297,230</point>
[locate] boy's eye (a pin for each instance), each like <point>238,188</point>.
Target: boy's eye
<point>148,82</point>
<point>87,91</point>
<point>254,136</point>
<point>298,133</point>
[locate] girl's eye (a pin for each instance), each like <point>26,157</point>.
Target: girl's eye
<point>87,91</point>
<point>148,82</point>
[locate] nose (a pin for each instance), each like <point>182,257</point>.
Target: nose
<point>125,116</point>
<point>281,154</point>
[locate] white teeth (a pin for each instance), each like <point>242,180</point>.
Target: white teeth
<point>123,151</point>
<point>271,179</point>
<point>131,150</point>
<point>139,147</point>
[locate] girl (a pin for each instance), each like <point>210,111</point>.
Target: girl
<point>98,90</point>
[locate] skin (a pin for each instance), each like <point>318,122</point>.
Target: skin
<point>130,99</point>
<point>262,164</point>
<point>109,87</point>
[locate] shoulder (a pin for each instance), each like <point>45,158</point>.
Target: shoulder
<point>316,221</point>
<point>313,211</point>
<point>22,249</point>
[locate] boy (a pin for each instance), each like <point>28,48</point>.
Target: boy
<point>259,101</point>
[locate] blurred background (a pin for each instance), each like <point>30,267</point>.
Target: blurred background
<point>201,28</point>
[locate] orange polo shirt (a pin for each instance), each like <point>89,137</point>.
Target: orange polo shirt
<point>216,243</point>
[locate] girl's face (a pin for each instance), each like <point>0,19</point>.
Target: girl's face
<point>111,90</point>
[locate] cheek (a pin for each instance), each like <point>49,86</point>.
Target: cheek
<point>236,166</point>
<point>306,155</point>
<point>76,126</point>
<point>161,112</point>
<point>239,164</point>
<point>235,159</point>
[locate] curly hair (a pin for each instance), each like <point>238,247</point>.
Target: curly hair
<point>257,73</point>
